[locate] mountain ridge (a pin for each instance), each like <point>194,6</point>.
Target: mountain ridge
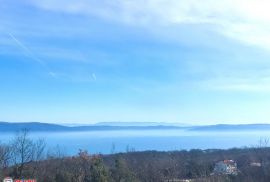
<point>49,127</point>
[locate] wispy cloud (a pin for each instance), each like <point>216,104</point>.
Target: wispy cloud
<point>191,56</point>
<point>247,21</point>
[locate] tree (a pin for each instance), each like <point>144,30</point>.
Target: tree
<point>4,158</point>
<point>4,155</point>
<point>99,172</point>
<point>24,150</point>
<point>121,172</point>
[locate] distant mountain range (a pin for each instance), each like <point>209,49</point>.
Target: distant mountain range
<point>36,126</point>
<point>226,127</point>
<point>140,124</point>
<point>46,127</point>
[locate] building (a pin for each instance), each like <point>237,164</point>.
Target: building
<point>256,164</point>
<point>226,167</point>
<point>8,179</point>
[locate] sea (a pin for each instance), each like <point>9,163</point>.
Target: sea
<point>115,141</point>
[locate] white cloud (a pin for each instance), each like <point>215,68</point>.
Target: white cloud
<point>245,20</point>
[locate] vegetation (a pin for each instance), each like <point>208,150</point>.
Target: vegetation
<point>27,158</point>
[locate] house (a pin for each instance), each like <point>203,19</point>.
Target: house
<point>180,180</point>
<point>8,179</point>
<point>256,164</point>
<point>226,167</point>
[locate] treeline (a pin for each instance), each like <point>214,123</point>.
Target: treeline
<point>26,158</point>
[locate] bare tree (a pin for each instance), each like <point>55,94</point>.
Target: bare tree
<point>4,159</point>
<point>4,155</point>
<point>56,152</point>
<point>263,142</point>
<point>39,148</point>
<point>24,150</point>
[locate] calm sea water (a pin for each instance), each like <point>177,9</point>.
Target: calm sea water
<point>139,140</point>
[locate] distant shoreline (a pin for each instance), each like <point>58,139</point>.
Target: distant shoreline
<point>47,127</point>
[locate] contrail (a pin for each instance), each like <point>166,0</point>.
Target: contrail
<point>94,76</point>
<point>30,54</point>
<point>27,51</point>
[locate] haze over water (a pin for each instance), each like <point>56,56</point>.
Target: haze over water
<point>139,140</point>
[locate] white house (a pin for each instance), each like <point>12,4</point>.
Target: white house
<point>226,167</point>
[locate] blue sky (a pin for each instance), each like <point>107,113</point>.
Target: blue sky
<point>88,61</point>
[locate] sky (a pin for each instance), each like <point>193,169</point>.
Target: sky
<point>89,61</point>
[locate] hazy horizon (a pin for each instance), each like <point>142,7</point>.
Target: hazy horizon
<point>133,123</point>
<point>83,62</point>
